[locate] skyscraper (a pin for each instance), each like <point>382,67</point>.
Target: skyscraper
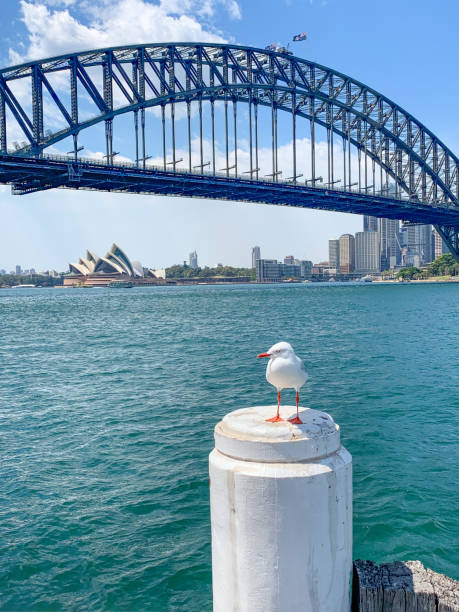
<point>289,260</point>
<point>389,243</point>
<point>418,243</point>
<point>439,247</point>
<point>346,253</point>
<point>256,254</point>
<point>333,254</point>
<point>370,224</point>
<point>193,258</point>
<point>367,252</point>
<point>424,237</point>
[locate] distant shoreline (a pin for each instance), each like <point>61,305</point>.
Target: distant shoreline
<point>431,280</point>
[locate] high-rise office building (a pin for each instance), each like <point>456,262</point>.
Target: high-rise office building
<point>367,252</point>
<point>418,245</point>
<point>389,241</point>
<point>333,254</point>
<point>439,247</point>
<point>193,259</point>
<point>289,260</point>
<point>424,233</point>
<point>370,224</point>
<point>18,270</point>
<point>346,253</point>
<point>256,254</point>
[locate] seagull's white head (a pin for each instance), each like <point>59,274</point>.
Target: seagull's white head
<point>281,349</point>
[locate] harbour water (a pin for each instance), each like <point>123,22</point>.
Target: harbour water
<point>108,402</point>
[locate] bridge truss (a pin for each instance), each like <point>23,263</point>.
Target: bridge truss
<point>205,121</point>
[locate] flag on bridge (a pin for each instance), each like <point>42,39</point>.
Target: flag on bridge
<point>300,37</point>
<point>271,47</point>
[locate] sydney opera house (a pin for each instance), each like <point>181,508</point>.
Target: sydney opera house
<point>93,271</point>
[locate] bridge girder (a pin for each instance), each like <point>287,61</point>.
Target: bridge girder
<point>162,75</point>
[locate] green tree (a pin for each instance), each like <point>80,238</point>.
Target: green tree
<point>409,273</point>
<point>178,271</point>
<point>444,265</point>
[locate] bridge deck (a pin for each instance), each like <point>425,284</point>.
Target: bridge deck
<point>28,175</point>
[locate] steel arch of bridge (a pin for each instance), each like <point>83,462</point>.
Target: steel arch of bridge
<point>418,175</point>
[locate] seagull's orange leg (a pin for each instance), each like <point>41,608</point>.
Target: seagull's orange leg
<point>277,418</point>
<point>296,420</point>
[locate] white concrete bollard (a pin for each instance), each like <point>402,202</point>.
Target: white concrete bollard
<point>281,513</point>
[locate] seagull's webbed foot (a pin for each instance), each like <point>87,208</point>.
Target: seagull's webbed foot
<point>275,419</point>
<point>296,419</point>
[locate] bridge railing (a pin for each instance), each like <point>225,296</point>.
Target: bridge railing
<point>400,196</point>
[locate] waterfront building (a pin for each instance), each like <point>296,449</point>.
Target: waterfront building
<point>193,259</point>
<point>289,260</point>
<point>273,271</point>
<point>256,254</point>
<point>157,273</point>
<point>367,252</point>
<point>291,270</point>
<point>268,271</point>
<point>322,269</point>
<point>346,253</point>
<point>100,271</point>
<point>305,269</point>
<point>333,253</point>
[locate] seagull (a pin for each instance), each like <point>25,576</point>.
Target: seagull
<point>285,370</point>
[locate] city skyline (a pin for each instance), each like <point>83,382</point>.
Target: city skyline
<point>381,244</point>
<point>47,230</point>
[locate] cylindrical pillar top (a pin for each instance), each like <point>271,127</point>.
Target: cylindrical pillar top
<point>246,435</point>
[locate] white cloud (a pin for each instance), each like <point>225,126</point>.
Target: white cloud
<point>54,27</point>
<point>59,2</point>
<point>202,8</point>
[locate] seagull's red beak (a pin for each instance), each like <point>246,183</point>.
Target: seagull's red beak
<point>264,355</point>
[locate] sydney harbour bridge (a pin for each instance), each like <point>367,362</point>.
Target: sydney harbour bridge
<point>224,122</point>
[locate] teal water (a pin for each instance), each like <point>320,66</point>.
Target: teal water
<point>108,400</point>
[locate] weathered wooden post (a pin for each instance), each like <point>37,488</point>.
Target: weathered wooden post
<point>281,513</point>
<point>402,586</point>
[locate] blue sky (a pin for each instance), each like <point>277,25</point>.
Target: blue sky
<point>406,49</point>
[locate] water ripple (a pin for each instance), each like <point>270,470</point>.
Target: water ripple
<point>108,403</point>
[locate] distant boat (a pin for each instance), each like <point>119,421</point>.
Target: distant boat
<point>366,279</point>
<point>120,285</point>
<point>22,286</point>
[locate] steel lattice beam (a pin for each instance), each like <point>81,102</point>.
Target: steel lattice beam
<point>385,136</point>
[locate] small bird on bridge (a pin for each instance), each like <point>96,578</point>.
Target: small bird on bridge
<point>285,370</point>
